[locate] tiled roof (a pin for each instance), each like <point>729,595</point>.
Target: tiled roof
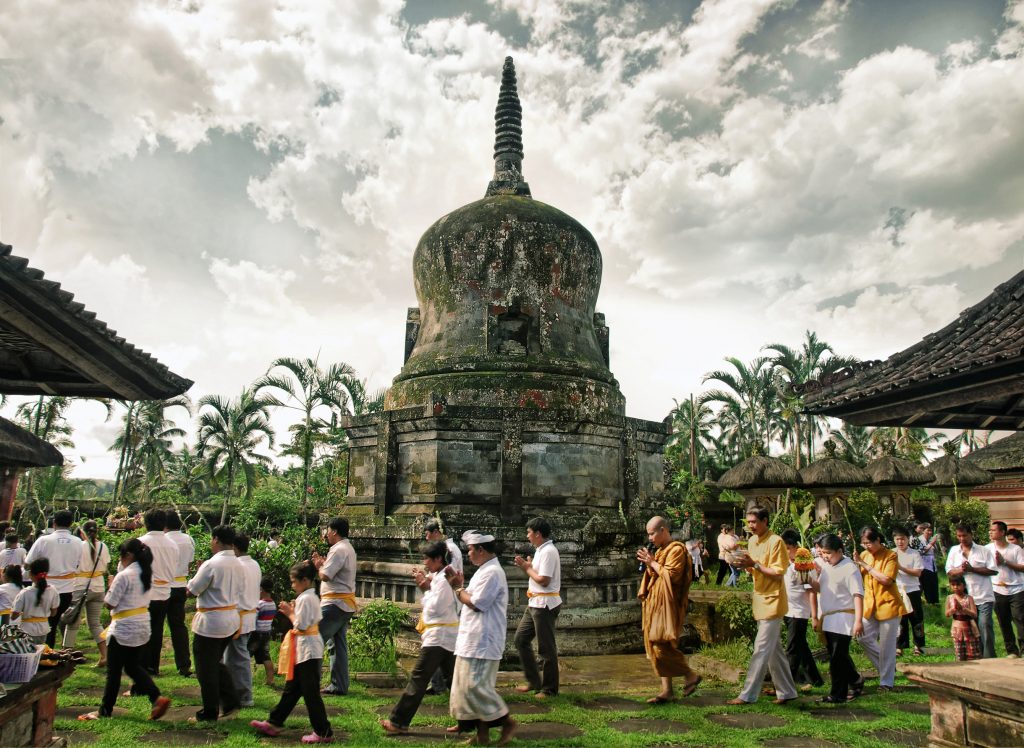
<point>983,347</point>
<point>48,338</point>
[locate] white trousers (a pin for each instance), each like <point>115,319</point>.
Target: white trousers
<point>879,644</point>
<point>768,655</point>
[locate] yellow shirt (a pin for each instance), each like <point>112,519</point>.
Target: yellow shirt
<point>769,592</point>
<point>881,602</point>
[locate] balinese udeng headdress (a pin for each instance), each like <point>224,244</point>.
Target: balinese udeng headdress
<point>475,537</point>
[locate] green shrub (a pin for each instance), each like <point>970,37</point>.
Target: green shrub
<point>371,637</point>
<point>738,615</point>
<point>971,512</point>
<point>274,503</point>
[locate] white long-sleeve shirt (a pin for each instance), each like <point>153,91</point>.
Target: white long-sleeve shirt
<point>126,594</point>
<point>186,555</point>
<point>307,613</point>
<point>165,562</point>
<point>439,607</point>
<point>249,594</point>
<point>839,584</point>
<point>64,552</point>
<point>482,631</point>
<point>217,584</point>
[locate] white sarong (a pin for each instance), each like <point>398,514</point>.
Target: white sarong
<point>474,695</point>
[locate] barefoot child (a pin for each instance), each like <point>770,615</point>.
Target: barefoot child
<point>961,608</point>
<point>300,658</point>
<point>9,592</point>
<point>36,605</point>
<point>259,641</point>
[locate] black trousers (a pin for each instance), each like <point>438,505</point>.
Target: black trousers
<point>305,685</point>
<point>431,660</point>
<point>215,684</point>
<point>179,631</point>
<point>54,621</point>
<point>930,586</point>
<point>157,616</point>
<point>801,661</point>
<point>128,660</point>
<point>913,621</point>
<point>539,624</point>
<point>1009,611</point>
<point>840,666</point>
<point>723,571</point>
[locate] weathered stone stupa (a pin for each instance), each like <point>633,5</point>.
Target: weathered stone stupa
<point>506,409</point>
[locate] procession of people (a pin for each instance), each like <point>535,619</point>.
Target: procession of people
<point>874,598</point>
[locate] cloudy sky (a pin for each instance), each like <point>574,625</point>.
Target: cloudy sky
<point>228,181</point>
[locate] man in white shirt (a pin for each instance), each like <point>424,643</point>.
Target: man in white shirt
<point>236,656</point>
<point>977,566</point>
<point>908,579</point>
<point>64,552</point>
<point>338,599</point>
<point>165,564</point>
<point>176,602</point>
<point>475,702</point>
<point>217,585</point>
<point>543,604</point>
<point>1008,587</point>
<point>433,533</point>
<point>12,554</point>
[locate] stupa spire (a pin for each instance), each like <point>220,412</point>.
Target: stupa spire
<point>508,138</point>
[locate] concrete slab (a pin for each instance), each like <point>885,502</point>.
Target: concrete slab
<point>746,720</point>
<point>908,738</point>
<point>845,714</point>
<point>78,737</point>
<point>614,704</point>
<point>797,741</point>
<point>73,712</point>
<point>654,726</point>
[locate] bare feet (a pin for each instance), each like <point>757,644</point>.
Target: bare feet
<point>737,702</point>
<point>508,731</point>
<point>661,698</point>
<point>523,688</point>
<point>691,686</point>
<point>391,728</point>
<point>89,717</point>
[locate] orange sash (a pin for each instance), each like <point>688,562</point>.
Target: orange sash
<point>286,657</point>
<point>345,597</point>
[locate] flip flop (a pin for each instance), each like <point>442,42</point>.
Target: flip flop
<point>690,688</point>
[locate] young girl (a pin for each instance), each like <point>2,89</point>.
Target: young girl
<point>960,607</point>
<point>9,591</point>
<point>36,605</point>
<point>259,640</point>
<point>128,634</point>
<point>300,658</point>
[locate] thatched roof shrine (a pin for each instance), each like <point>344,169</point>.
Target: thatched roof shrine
<point>22,449</point>
<point>889,470</point>
<point>759,471</point>
<point>952,470</point>
<point>831,472</point>
<point>1007,454</point>
<point>968,375</point>
<point>51,344</point>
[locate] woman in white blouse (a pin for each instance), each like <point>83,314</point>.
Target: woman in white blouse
<point>92,574</point>
<point>128,633</point>
<point>300,658</point>
<point>840,591</point>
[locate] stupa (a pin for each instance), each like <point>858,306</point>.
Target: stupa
<point>506,409</point>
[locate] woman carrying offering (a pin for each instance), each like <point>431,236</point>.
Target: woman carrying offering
<point>128,633</point>
<point>299,660</point>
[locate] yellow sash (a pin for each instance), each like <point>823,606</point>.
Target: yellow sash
<point>286,658</point>
<point>88,575</point>
<point>119,615</point>
<point>72,575</point>
<point>556,593</point>
<point>181,579</point>
<point>33,619</point>
<point>5,612</point>
<point>161,582</point>
<point>422,626</point>
<point>345,597</point>
<point>222,607</point>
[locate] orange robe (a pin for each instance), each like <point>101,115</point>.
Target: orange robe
<point>664,597</point>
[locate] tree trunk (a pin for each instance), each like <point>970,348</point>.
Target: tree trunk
<point>306,457</point>
<point>693,441</point>
<point>798,442</point>
<point>227,496</point>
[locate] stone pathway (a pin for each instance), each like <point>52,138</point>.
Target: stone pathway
<point>650,725</point>
<point>746,720</point>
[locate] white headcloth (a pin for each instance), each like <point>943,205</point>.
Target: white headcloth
<point>475,537</point>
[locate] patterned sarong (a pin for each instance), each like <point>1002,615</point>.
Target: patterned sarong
<point>474,695</point>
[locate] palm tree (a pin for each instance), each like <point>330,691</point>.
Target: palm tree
<point>46,419</point>
<point>910,443</point>
<point>310,388</point>
<point>230,432</point>
<point>187,474</point>
<point>854,443</point>
<point>970,440</point>
<point>693,422</point>
<point>754,397</point>
<point>814,359</point>
<point>145,444</point>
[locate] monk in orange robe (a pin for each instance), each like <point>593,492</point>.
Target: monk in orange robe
<point>664,590</point>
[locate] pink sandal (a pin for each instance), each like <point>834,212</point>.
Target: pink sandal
<point>266,728</point>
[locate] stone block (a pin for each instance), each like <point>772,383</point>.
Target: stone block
<point>991,730</point>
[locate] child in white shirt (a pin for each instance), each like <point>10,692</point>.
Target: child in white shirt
<point>9,592</point>
<point>35,606</point>
<point>299,660</point>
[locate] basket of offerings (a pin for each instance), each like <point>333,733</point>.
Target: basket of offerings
<point>803,562</point>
